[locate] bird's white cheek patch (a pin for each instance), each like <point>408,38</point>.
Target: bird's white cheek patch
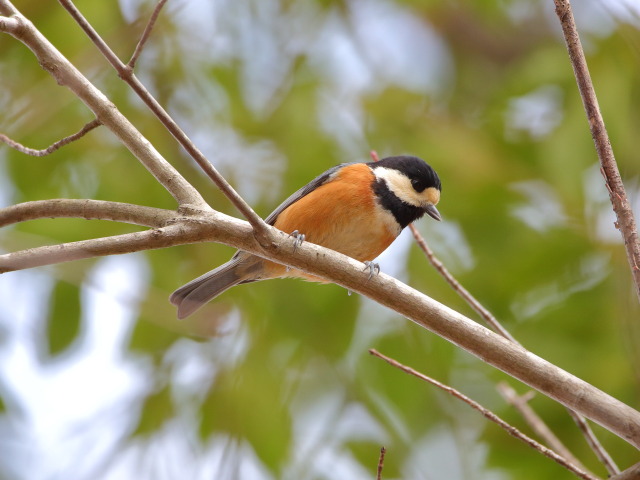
<point>400,185</point>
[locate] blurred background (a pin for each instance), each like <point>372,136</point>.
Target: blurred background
<point>98,380</point>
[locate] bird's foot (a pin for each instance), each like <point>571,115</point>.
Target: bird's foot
<point>374,268</point>
<point>298,238</point>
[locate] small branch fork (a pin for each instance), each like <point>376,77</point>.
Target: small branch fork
<point>126,73</point>
<point>625,219</point>
<point>67,75</point>
<point>488,414</point>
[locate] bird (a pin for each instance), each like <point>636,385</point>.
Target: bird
<point>357,209</point>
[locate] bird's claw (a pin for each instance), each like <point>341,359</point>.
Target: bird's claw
<point>298,238</point>
<point>374,268</point>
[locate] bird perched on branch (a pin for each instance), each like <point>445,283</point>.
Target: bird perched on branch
<point>357,209</point>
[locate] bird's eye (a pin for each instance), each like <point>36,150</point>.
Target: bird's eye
<point>417,185</point>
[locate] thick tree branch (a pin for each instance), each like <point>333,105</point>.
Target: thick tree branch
<point>625,219</point>
<point>87,209</point>
<point>126,73</point>
<point>347,272</point>
<point>488,414</point>
<point>106,112</point>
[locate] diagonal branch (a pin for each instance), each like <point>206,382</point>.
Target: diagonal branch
<point>625,220</point>
<point>54,146</point>
<point>87,209</point>
<point>594,443</point>
<point>520,403</point>
<point>105,111</point>
<point>546,433</point>
<point>489,415</point>
<point>486,315</point>
<point>490,347</point>
<point>126,73</point>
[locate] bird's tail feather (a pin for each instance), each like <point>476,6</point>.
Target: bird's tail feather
<point>197,292</point>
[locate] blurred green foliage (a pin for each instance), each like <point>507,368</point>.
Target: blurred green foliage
<point>275,92</point>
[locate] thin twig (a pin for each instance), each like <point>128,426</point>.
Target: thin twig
<point>455,284</point>
<point>126,73</point>
<point>488,414</point>
<point>146,34</point>
<point>519,402</point>
<point>381,463</point>
<point>54,146</point>
<point>625,219</point>
<point>594,443</point>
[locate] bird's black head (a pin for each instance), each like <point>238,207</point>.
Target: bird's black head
<point>407,187</point>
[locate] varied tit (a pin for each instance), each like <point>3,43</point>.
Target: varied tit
<point>356,208</point>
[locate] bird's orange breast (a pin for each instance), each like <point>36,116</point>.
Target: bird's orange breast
<point>342,215</point>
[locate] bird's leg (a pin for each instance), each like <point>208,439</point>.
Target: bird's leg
<point>374,268</point>
<point>298,239</point>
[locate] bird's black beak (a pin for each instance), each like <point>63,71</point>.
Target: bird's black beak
<point>433,212</point>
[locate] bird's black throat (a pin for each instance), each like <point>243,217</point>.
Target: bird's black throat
<point>402,212</point>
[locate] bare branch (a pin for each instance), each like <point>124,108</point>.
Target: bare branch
<point>625,220</point>
<point>631,473</point>
<point>126,73</point>
<point>87,209</point>
<point>457,286</point>
<point>537,424</point>
<point>595,444</point>
<point>383,451</point>
<point>106,112</point>
<point>488,414</point>
<point>146,34</point>
<point>347,272</point>
<point>53,147</point>
<point>66,252</point>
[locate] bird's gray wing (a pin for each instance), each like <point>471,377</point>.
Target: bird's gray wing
<point>307,189</point>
